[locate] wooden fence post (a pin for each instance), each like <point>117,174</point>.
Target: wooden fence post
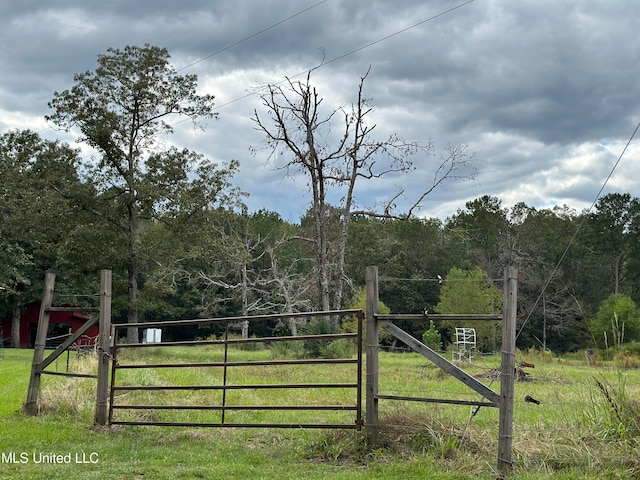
<point>102,392</point>
<point>31,406</point>
<point>371,414</point>
<point>507,377</point>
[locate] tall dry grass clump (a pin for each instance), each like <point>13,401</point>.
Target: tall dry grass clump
<point>613,414</point>
<point>627,360</point>
<point>71,396</point>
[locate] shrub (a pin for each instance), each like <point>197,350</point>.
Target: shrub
<point>341,348</point>
<point>431,338</point>
<point>286,349</point>
<point>617,320</point>
<point>313,348</point>
<point>632,348</point>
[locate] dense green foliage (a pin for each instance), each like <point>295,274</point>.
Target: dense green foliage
<point>235,262</point>
<point>432,338</point>
<point>473,292</point>
<point>171,227</point>
<point>616,322</point>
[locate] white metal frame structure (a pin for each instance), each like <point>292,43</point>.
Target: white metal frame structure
<point>465,344</point>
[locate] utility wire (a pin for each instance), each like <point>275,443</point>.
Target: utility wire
<point>391,35</point>
<point>575,234</point>
<point>228,47</point>
<point>335,59</point>
<point>344,55</point>
<point>252,36</point>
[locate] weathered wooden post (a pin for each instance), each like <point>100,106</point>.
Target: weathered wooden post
<point>507,377</point>
<point>31,406</point>
<point>104,345</point>
<point>371,413</point>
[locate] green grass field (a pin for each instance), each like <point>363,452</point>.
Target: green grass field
<point>586,425</point>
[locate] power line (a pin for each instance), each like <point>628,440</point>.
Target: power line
<point>228,47</point>
<point>392,35</point>
<point>356,50</point>
<point>335,59</point>
<point>575,234</point>
<point>252,36</point>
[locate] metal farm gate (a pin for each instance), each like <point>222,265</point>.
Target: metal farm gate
<point>139,397</point>
<point>503,400</point>
<point>137,394</point>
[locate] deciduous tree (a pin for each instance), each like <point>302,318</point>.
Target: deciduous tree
<point>486,231</point>
<point>34,219</point>
<point>472,292</point>
<point>124,110</point>
<point>610,232</point>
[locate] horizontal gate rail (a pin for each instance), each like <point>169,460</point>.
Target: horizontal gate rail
<point>437,400</point>
<point>72,309</point>
<point>236,387</point>
<point>327,361</point>
<point>438,316</point>
<point>228,367</point>
<point>236,407</point>
<point>252,318</point>
<point>68,374</point>
<point>231,341</point>
<point>330,426</point>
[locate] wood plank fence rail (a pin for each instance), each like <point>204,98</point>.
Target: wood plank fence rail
<point>118,367</point>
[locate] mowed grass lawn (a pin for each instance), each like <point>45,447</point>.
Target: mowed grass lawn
<point>584,426</point>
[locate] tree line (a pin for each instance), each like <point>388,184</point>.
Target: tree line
<point>174,230</point>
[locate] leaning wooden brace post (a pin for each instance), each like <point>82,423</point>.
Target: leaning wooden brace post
<point>104,346</point>
<point>505,434</point>
<point>371,351</point>
<point>31,406</point>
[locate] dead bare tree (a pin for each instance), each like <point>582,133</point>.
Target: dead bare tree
<point>247,269</point>
<point>299,129</point>
<point>235,273</point>
<point>290,288</point>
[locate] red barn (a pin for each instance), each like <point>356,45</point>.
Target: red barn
<point>60,324</point>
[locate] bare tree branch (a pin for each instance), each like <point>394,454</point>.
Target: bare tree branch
<point>295,125</point>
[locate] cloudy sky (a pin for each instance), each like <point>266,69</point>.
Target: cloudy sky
<point>544,93</point>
